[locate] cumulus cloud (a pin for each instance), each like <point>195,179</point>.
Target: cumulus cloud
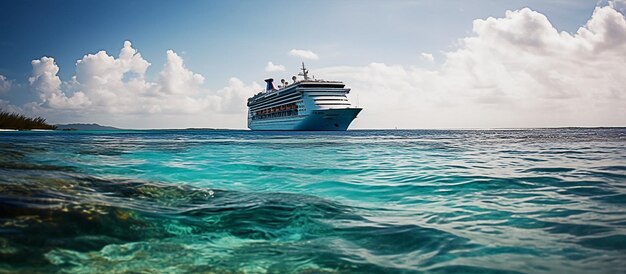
<point>110,82</point>
<point>5,84</point>
<point>304,54</point>
<point>177,79</point>
<point>45,81</point>
<point>114,90</point>
<point>515,71</point>
<point>428,57</point>
<point>271,67</point>
<point>233,97</point>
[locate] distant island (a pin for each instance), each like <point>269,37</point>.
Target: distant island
<point>16,121</point>
<point>84,127</point>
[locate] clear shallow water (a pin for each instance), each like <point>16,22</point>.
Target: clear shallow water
<point>514,201</point>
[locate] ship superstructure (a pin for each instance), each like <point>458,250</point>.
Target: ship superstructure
<point>304,104</point>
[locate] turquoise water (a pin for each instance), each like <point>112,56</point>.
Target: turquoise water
<point>423,201</point>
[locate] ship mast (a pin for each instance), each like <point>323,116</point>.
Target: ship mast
<point>304,73</point>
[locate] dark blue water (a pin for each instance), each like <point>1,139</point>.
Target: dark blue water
<point>423,201</point>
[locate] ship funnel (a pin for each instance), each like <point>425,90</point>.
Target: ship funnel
<point>270,84</point>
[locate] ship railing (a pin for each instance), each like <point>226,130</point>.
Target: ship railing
<point>279,114</point>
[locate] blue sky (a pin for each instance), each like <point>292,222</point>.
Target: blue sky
<point>236,38</point>
<point>223,39</point>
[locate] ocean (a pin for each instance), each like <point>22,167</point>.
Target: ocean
<point>380,201</point>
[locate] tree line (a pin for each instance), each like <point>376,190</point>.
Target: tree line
<point>12,120</point>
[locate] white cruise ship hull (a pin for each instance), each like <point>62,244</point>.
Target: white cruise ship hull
<point>337,119</point>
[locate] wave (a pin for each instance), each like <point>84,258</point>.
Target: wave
<point>71,222</point>
<point>354,202</point>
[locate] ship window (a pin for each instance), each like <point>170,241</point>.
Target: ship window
<point>330,104</point>
<point>322,86</point>
<point>330,99</point>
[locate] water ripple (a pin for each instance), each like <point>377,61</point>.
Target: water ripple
<point>498,201</point>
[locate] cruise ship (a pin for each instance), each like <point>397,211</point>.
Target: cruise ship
<point>303,104</point>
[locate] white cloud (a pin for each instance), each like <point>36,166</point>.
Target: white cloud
<point>428,57</point>
<point>112,83</point>
<point>271,67</point>
<point>114,90</point>
<point>233,97</point>
<point>516,71</point>
<point>5,85</point>
<point>304,54</point>
<point>45,81</point>
<point>177,79</point>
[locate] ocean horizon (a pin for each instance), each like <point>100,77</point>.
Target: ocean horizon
<point>543,200</point>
